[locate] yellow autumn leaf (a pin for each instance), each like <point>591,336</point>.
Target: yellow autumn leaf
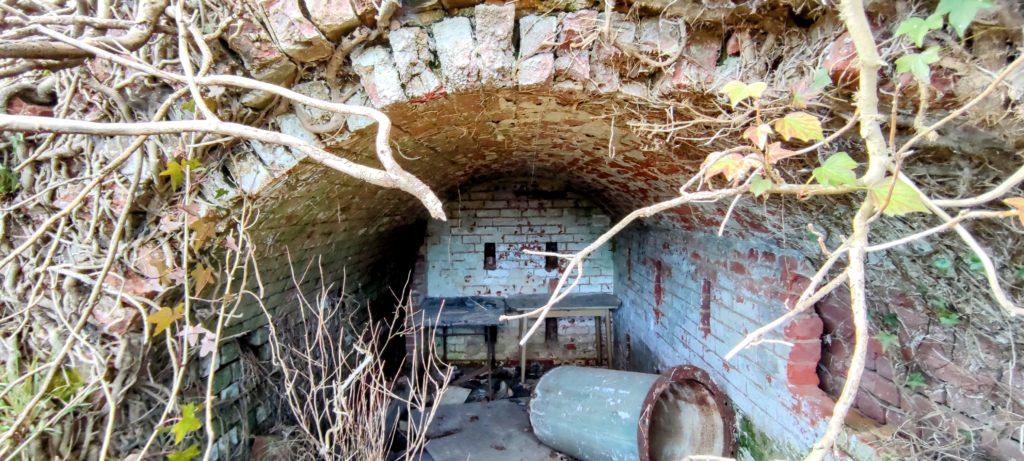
<point>755,90</point>
<point>732,167</point>
<point>800,125</point>
<point>1018,204</point>
<point>738,91</point>
<point>165,317</point>
<point>201,276</point>
<point>203,230</point>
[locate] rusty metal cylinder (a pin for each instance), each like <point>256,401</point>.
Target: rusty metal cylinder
<point>595,414</point>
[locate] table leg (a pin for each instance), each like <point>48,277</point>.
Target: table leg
<point>598,340</point>
<point>611,338</point>
<point>444,344</point>
<point>489,337</point>
<point>522,352</point>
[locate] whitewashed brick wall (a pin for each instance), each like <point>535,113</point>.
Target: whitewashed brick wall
<point>515,215</point>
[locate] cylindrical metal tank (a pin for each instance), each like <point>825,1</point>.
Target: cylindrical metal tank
<point>595,414</point>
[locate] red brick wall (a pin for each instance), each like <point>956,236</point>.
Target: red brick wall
<point>689,298</point>
<point>959,372</point>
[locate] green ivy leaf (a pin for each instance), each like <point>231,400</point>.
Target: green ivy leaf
<point>176,171</point>
<point>1020,272</point>
<point>66,384</point>
<point>917,28</point>
<point>821,79</point>
<point>17,140</point>
<point>974,263</point>
<point>949,318</point>
<point>891,320</point>
<point>887,340</point>
<point>220,192</point>
<point>944,266</point>
<point>939,304</point>
<point>904,199</point>
<point>189,106</point>
<point>759,185</point>
<point>9,180</point>
<point>919,64</point>
<point>187,424</point>
<point>915,381</point>
<point>187,454</point>
<point>800,125</point>
<point>738,91</point>
<point>961,12</point>
<point>836,171</point>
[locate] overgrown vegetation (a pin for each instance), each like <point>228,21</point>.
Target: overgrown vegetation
<point>119,275</point>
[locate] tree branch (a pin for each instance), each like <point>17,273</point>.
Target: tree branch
<point>146,15</point>
<point>856,22</point>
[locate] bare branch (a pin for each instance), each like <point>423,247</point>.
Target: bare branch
<point>856,22</point>
<point>146,15</point>
<point>858,306</point>
<point>996,192</point>
<point>990,268</point>
<point>403,179</point>
<point>1007,71</point>
<point>942,228</point>
<point>807,298</point>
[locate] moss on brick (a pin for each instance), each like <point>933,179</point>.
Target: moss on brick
<point>753,444</point>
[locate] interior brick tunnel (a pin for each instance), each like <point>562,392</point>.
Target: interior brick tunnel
<point>521,141</point>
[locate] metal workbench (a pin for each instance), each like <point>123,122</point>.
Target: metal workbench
<point>597,305</point>
<point>476,312</point>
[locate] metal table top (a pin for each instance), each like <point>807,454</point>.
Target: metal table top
<point>575,301</point>
<point>459,311</point>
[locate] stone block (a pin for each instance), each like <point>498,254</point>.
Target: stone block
<point>222,378</point>
<point>357,122</point>
<point>572,62</point>
<point>228,352</point>
<point>536,70</point>
<point>804,327</point>
<point>294,34</point>
<point>934,360</point>
<point>660,38</point>
<point>453,38</point>
<point>870,407</point>
<point>606,60</point>
<point>317,90</point>
<point>249,173</point>
<point>537,34</point>
<point>494,54</point>
<point>258,337</point>
<point>452,5</point>
<point>694,73</point>
<point>411,49</point>
<point>231,392</point>
<point>216,189</point>
<point>378,75</point>
<point>260,56</point>
<point>333,17</point>
<point>880,387</point>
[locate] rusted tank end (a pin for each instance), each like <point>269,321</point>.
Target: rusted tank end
<point>595,414</point>
<point>685,414</point>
